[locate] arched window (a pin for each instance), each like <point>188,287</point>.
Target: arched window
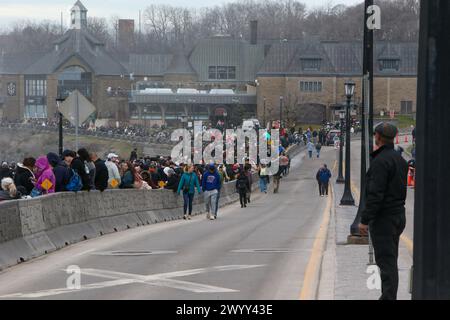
<point>75,78</point>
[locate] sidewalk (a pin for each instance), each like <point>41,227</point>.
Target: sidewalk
<point>344,267</point>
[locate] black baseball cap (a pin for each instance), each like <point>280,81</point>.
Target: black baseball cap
<point>387,130</point>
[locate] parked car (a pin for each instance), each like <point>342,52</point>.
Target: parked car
<point>250,124</point>
<point>331,135</point>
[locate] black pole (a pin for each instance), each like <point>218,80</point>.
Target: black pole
<point>281,112</point>
<point>340,178</point>
<point>431,280</point>
<point>347,198</point>
<point>368,47</point>
<point>265,124</point>
<point>60,134</point>
<point>60,100</point>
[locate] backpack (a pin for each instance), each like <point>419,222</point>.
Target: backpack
<point>75,183</point>
<point>242,184</point>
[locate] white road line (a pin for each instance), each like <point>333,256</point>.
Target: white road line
<point>160,280</point>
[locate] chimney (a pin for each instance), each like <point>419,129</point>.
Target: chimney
<point>253,32</point>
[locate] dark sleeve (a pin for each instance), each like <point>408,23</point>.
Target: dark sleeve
<point>377,180</point>
<point>101,177</point>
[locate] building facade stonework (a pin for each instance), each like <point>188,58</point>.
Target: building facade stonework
<point>222,78</point>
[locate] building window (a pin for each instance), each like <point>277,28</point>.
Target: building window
<point>35,111</point>
<point>75,78</point>
<point>212,72</point>
<point>406,107</point>
<point>35,88</point>
<point>389,65</point>
<point>311,86</point>
<point>311,64</point>
<point>221,73</point>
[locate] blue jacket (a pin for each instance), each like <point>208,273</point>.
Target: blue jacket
<point>211,181</point>
<point>192,180</point>
<point>323,175</point>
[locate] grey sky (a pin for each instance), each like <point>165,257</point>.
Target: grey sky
<point>12,10</point>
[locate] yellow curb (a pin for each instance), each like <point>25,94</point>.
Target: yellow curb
<point>312,273</point>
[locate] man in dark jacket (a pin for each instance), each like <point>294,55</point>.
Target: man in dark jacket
<point>24,176</point>
<point>101,173</point>
<point>79,166</point>
<point>60,170</point>
<point>384,210</point>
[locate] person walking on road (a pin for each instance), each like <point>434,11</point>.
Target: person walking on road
<point>264,178</point>
<point>188,183</point>
<point>243,187</point>
<point>318,149</point>
<point>310,149</point>
<point>323,177</point>
<point>211,186</point>
<point>384,211</point>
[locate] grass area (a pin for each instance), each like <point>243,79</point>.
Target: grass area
<point>306,126</point>
<point>402,121</point>
<point>102,145</point>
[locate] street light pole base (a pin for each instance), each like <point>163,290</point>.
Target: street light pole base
<point>347,200</point>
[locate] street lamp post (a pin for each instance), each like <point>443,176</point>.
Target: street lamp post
<point>347,198</point>
<point>340,178</point>
<point>265,124</point>
<point>281,111</point>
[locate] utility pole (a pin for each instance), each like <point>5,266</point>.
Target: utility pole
<point>431,278</point>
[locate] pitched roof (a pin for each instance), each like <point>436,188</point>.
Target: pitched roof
<point>337,58</point>
<point>80,5</point>
<point>149,64</point>
<point>180,65</point>
<point>78,43</point>
<point>16,63</point>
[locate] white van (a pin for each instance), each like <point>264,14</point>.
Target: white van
<point>250,124</point>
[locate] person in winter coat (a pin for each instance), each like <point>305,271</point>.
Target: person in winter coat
<point>79,165</point>
<point>173,180</point>
<point>211,187</point>
<point>44,172</point>
<point>61,171</point>
<point>113,171</point>
<point>188,183</point>
<point>8,190</point>
<point>264,178</point>
<point>318,149</point>
<point>25,176</point>
<point>242,187</point>
<point>310,149</point>
<point>323,177</point>
<point>128,176</point>
<point>101,173</point>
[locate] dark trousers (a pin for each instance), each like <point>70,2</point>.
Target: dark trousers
<point>188,198</point>
<point>323,188</point>
<point>385,233</point>
<point>243,197</point>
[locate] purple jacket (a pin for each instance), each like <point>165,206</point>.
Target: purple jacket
<point>44,172</point>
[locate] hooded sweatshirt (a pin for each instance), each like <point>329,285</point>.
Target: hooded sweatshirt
<point>211,181</point>
<point>44,172</point>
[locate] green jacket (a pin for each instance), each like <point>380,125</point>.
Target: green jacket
<point>191,180</point>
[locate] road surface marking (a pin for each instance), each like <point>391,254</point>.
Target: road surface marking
<point>404,238</point>
<point>312,273</point>
<point>160,280</point>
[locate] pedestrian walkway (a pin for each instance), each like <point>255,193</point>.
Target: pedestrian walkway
<point>344,274</point>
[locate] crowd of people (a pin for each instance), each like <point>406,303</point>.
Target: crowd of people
<point>82,170</point>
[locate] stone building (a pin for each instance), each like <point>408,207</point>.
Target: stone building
<point>310,78</point>
<point>222,78</point>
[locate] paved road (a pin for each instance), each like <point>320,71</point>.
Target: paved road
<point>200,259</point>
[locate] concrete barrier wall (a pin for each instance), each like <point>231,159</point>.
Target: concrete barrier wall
<point>31,228</point>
